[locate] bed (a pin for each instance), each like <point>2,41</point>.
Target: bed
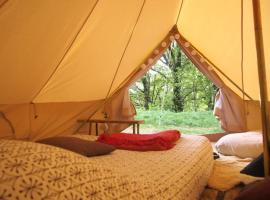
<point>35,171</point>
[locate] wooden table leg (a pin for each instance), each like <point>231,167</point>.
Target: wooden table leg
<point>90,128</point>
<point>138,128</point>
<point>96,129</point>
<point>134,131</point>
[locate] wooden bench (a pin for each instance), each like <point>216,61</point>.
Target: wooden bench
<point>135,123</point>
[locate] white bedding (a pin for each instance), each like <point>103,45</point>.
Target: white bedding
<point>53,173</point>
<point>244,145</point>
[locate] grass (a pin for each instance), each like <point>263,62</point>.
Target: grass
<point>201,122</point>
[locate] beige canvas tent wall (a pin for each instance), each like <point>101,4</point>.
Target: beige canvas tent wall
<point>66,60</point>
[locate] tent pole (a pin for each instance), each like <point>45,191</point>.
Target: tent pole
<point>263,84</point>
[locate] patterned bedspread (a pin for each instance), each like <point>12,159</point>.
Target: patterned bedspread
<point>35,171</point>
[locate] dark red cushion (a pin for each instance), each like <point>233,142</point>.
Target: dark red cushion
<point>256,191</point>
<point>148,142</point>
<point>80,146</point>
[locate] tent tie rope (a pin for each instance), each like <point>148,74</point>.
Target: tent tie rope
<point>2,114</point>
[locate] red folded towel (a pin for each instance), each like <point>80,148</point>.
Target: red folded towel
<point>150,142</point>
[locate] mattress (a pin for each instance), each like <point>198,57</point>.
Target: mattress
<point>36,171</point>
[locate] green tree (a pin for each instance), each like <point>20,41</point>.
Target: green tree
<point>172,58</point>
<point>174,84</point>
<point>146,90</point>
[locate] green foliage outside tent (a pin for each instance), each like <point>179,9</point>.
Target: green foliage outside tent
<point>173,86</point>
<point>200,122</point>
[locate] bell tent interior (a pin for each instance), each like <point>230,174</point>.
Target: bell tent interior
<point>61,61</point>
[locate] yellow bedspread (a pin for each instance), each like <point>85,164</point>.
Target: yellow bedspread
<point>35,171</point>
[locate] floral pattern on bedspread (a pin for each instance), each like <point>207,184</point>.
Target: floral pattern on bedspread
<point>36,171</point>
<point>179,173</point>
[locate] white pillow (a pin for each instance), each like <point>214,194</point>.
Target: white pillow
<point>244,145</point>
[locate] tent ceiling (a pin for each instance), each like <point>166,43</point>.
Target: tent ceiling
<point>99,48</point>
<point>35,36</point>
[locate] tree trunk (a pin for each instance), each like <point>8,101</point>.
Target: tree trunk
<point>211,99</point>
<point>176,65</point>
<point>146,91</point>
<point>178,101</point>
